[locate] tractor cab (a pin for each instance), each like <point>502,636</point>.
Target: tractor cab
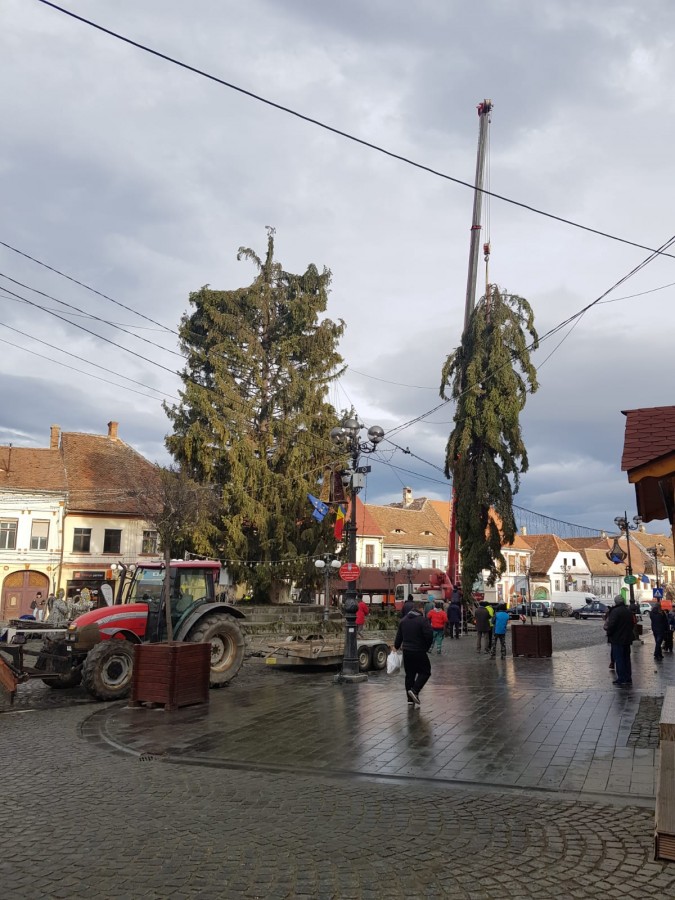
<point>190,584</point>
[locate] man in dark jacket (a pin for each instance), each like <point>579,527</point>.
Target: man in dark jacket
<point>620,635</point>
<point>454,617</point>
<point>659,621</point>
<point>407,606</point>
<point>414,636</point>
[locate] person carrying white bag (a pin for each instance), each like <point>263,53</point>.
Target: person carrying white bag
<point>394,661</point>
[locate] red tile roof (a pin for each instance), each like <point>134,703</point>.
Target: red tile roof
<point>649,435</point>
<point>104,474</point>
<point>23,468</point>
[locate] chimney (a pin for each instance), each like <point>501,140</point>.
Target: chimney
<point>523,530</point>
<point>54,432</point>
<point>407,496</point>
<point>112,430</point>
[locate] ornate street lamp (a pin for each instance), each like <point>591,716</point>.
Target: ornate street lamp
<point>626,527</point>
<point>347,436</point>
<point>389,571</point>
<point>329,566</point>
<point>656,552</point>
<point>411,567</point>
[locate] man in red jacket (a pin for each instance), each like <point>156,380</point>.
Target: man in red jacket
<point>439,619</point>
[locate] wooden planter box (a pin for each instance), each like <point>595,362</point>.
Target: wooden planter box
<point>531,640</point>
<point>173,675</point>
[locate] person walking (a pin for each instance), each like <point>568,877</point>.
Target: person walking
<point>439,619</point>
<point>38,607</point>
<point>490,638</point>
<point>455,617</point>
<point>482,620</point>
<point>660,627</point>
<point>414,637</point>
<point>501,623</point>
<point>362,610</point>
<point>668,642</point>
<point>621,635</point>
<point>408,605</point>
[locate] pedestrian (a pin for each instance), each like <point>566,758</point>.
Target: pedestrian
<point>455,617</point>
<point>621,635</point>
<point>414,637</point>
<point>362,610</point>
<point>501,623</point>
<point>429,605</point>
<point>490,638</point>
<point>439,619</point>
<point>38,607</point>
<point>611,648</point>
<point>482,621</point>
<point>408,605</point>
<point>660,627</point>
<point>50,603</point>
<point>668,643</point>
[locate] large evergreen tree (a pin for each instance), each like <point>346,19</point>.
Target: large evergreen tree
<point>490,375</point>
<point>254,417</point>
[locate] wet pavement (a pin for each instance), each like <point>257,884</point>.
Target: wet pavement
<point>289,786</point>
<point>551,724</point>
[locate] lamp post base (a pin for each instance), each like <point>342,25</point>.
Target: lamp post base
<point>350,679</point>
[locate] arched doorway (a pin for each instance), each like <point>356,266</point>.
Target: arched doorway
<point>18,592</point>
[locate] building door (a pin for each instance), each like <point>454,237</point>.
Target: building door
<point>18,592</point>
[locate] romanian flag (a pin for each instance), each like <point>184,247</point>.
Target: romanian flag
<point>339,522</point>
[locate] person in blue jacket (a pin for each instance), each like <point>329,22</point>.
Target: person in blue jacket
<point>501,624</point>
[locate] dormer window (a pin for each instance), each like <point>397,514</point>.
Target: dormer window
<point>427,533</point>
<point>398,531</point>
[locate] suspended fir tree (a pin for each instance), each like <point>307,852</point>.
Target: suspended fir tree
<point>254,417</point>
<point>489,377</point>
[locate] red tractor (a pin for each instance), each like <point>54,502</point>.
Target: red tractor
<point>98,648</point>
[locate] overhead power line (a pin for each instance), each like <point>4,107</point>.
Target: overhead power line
<point>87,287</point>
<point>337,131</point>
<point>77,309</point>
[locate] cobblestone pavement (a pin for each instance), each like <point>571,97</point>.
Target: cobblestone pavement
<point>295,787</point>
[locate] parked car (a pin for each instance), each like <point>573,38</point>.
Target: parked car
<point>645,607</point>
<point>561,609</point>
<point>595,610</point>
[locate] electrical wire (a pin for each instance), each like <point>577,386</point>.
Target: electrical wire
<point>344,134</point>
<point>89,315</point>
<point>85,286</point>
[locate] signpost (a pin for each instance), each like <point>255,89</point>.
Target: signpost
<point>349,572</point>
<point>657,593</point>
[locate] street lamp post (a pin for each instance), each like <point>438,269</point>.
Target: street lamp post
<point>626,527</point>
<point>389,573</point>
<point>328,565</point>
<point>656,552</point>
<point>346,436</point>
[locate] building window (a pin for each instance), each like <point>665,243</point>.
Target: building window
<point>370,554</point>
<point>39,535</point>
<point>433,564</point>
<point>112,540</point>
<point>8,534</point>
<point>557,585</point>
<point>574,562</point>
<point>511,564</point>
<point>150,545</point>
<point>81,540</point>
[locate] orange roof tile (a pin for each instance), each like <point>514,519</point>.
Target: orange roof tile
<point>24,468</point>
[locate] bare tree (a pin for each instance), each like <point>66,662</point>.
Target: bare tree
<point>181,510</point>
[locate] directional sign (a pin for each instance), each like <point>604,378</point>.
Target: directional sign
<point>657,593</point>
<point>349,572</point>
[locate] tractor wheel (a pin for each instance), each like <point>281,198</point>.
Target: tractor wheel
<point>108,668</point>
<point>379,657</point>
<point>364,659</point>
<point>227,646</point>
<point>65,680</point>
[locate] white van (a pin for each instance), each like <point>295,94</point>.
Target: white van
<point>574,598</point>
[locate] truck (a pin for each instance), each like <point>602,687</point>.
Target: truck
<point>97,648</point>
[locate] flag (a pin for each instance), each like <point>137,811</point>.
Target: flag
<point>339,522</point>
<point>320,508</point>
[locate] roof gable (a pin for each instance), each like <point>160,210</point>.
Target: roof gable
<point>649,435</point>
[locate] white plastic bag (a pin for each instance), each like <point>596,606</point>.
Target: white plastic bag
<point>394,662</point>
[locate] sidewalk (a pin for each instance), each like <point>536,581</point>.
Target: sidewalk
<point>556,724</point>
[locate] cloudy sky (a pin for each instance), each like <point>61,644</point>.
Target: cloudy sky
<point>141,180</point>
